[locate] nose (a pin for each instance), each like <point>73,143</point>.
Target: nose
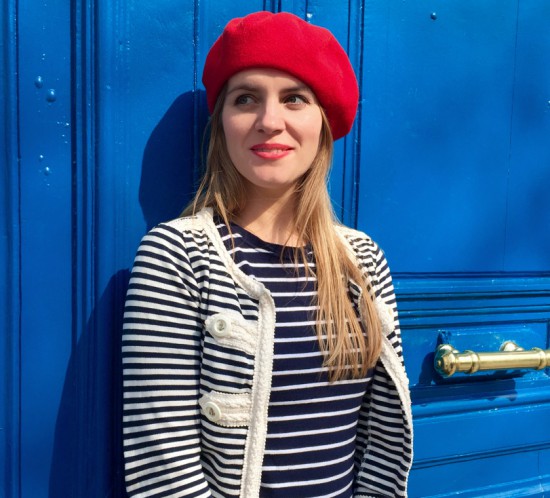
<point>270,117</point>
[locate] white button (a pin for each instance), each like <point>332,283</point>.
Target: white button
<point>221,327</point>
<point>212,411</point>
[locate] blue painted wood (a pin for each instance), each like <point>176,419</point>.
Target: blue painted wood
<point>477,312</point>
<point>10,306</point>
<point>447,167</point>
<point>528,219</point>
<point>446,162</point>
<point>47,335</point>
<point>443,110</point>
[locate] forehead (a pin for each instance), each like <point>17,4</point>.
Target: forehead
<point>268,78</point>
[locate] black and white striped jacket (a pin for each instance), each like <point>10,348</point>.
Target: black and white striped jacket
<point>197,352</point>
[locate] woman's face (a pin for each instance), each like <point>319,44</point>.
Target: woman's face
<point>272,124</point>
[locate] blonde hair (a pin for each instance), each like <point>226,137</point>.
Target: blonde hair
<point>350,346</point>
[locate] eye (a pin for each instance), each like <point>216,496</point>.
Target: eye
<point>244,100</point>
<point>296,100</point>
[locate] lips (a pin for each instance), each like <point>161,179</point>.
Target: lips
<point>271,147</point>
<point>271,150</point>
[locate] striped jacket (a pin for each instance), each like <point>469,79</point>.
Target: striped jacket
<point>197,353</point>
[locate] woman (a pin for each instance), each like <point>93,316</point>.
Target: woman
<point>262,352</point>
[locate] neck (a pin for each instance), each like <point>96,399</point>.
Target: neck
<point>270,217</point>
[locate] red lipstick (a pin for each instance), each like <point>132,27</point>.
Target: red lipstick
<point>271,150</point>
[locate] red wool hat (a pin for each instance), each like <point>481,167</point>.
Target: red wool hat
<point>287,43</point>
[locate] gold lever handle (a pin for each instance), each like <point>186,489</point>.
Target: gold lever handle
<point>448,360</point>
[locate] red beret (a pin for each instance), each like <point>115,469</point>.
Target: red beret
<point>287,43</point>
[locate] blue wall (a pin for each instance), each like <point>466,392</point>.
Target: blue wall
<point>9,256</point>
<point>447,167</point>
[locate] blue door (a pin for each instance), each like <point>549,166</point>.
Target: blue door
<point>447,168</point>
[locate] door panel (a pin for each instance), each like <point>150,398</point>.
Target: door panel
<point>45,169</point>
<point>447,168</point>
<point>437,114</point>
<point>10,309</point>
<point>457,159</point>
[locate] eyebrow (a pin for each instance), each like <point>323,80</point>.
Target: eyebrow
<point>254,89</point>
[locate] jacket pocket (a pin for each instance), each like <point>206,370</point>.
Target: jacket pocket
<point>232,330</point>
<point>228,356</point>
<point>226,409</point>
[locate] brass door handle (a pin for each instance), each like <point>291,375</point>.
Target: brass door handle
<point>448,360</point>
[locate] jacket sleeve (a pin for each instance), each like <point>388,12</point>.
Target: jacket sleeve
<point>384,439</point>
<point>161,358</point>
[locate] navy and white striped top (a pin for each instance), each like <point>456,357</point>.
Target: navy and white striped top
<point>312,423</point>
<point>205,397</point>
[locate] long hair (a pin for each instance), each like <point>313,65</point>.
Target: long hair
<point>350,346</point>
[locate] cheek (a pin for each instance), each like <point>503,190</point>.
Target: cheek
<point>234,130</point>
<point>229,133</point>
<point>313,126</point>
<point>314,137</point>
<point>226,126</point>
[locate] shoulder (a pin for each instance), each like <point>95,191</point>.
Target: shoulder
<point>361,245</point>
<point>187,230</point>
<point>186,225</point>
<point>370,259</point>
<point>352,234</point>
<point>181,239</point>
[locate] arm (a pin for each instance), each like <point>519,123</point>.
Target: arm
<point>161,358</point>
<point>387,303</point>
<point>384,430</point>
